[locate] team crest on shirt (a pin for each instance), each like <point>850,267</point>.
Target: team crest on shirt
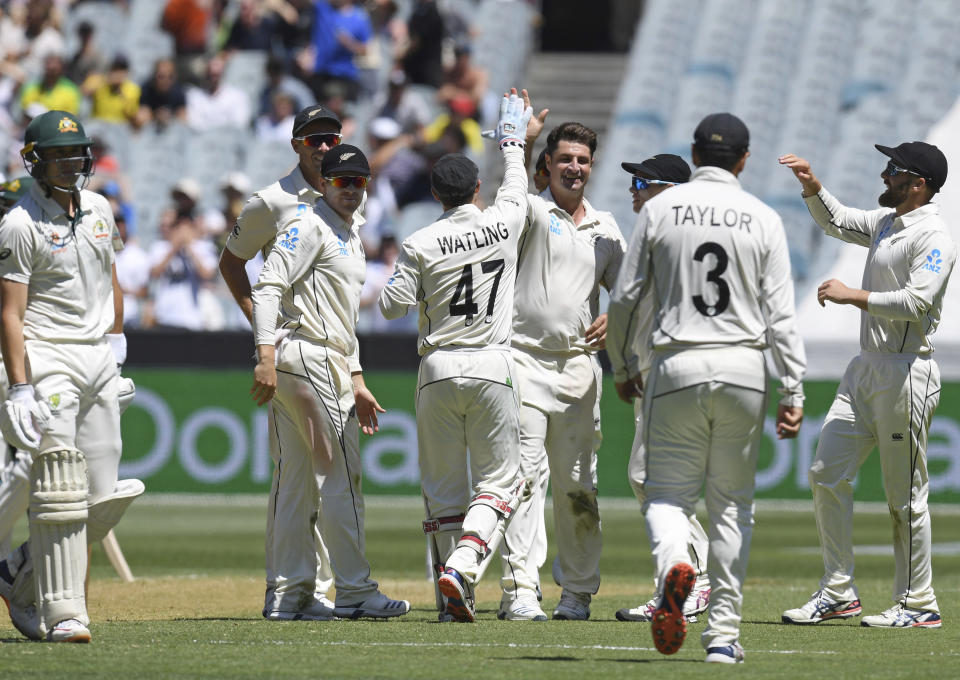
<point>290,239</point>
<point>933,261</point>
<point>100,230</point>
<point>54,401</point>
<point>343,246</point>
<point>555,226</point>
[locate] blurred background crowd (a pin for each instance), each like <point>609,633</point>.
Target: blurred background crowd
<point>191,105</point>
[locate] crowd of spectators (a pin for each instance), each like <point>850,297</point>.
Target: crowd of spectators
<point>399,72</point>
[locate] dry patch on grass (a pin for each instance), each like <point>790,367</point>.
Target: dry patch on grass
<point>203,597</point>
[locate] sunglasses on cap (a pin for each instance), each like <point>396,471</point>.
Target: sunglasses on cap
<point>641,183</point>
<point>343,182</point>
<point>315,141</point>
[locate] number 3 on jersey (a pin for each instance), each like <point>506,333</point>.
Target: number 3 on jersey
<point>713,276</point>
<point>463,304</point>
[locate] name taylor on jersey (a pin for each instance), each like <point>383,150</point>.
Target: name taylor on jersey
<point>472,240</point>
<point>711,216</point>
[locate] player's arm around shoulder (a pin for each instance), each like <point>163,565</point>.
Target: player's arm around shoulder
<point>400,292</point>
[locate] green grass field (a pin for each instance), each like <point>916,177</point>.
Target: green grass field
<point>194,611</point>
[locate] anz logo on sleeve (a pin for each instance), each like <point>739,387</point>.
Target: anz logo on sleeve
<point>290,239</point>
<point>933,261</point>
<point>555,226</point>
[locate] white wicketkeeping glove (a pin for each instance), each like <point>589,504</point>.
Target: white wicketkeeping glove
<point>118,343</point>
<point>512,126</point>
<point>22,418</point>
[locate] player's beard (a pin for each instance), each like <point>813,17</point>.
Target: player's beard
<point>894,195</point>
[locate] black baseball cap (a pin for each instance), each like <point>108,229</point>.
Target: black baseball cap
<point>312,113</point>
<point>921,159</point>
<point>722,132</point>
<point>667,167</point>
<point>344,159</point>
<point>453,177</point>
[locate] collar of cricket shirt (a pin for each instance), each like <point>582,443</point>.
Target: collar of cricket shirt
<point>305,191</point>
<point>332,219</point>
<point>590,216</point>
<point>464,211</point>
<point>712,173</point>
<point>919,214</point>
<point>53,209</point>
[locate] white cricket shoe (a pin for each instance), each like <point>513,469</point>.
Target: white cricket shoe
<point>901,616</point>
<point>69,630</point>
<point>523,607</point>
<point>572,606</point>
<point>725,654</point>
<point>821,608</point>
<point>696,603</point>
<point>16,590</point>
<point>377,606</point>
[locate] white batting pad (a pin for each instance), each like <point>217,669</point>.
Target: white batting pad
<point>58,534</point>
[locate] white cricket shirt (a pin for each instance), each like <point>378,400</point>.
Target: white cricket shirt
<point>67,265</point>
<point>461,269</point>
<point>908,266</point>
<point>712,261</point>
<point>560,270</point>
<point>319,259</point>
<point>270,210</point>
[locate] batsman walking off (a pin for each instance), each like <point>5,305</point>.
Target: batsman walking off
<point>890,391</point>
<point>60,301</point>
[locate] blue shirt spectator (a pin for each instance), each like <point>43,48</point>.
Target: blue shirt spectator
<point>340,30</point>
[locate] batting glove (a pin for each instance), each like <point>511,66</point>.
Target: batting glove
<point>118,343</point>
<point>22,418</point>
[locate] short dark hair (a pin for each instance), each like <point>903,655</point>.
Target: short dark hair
<point>456,201</point>
<point>720,158</point>
<point>572,132</point>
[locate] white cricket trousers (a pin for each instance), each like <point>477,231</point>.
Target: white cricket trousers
<point>704,434</point>
<point>884,401</point>
<point>78,382</point>
<point>559,438</point>
<point>324,572</point>
<point>637,474</point>
<point>467,399</point>
<point>317,478</point>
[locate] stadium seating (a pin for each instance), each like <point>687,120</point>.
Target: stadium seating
<point>826,79</point>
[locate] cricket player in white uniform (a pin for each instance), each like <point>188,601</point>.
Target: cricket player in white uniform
<point>890,391</point>
<point>460,271</point>
<point>14,474</point>
<point>315,271</point>
<point>712,260</point>
<point>59,299</point>
<point>568,251</point>
<point>316,129</point>
<point>648,179</point>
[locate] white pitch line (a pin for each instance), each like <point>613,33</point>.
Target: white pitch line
<point>492,645</point>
